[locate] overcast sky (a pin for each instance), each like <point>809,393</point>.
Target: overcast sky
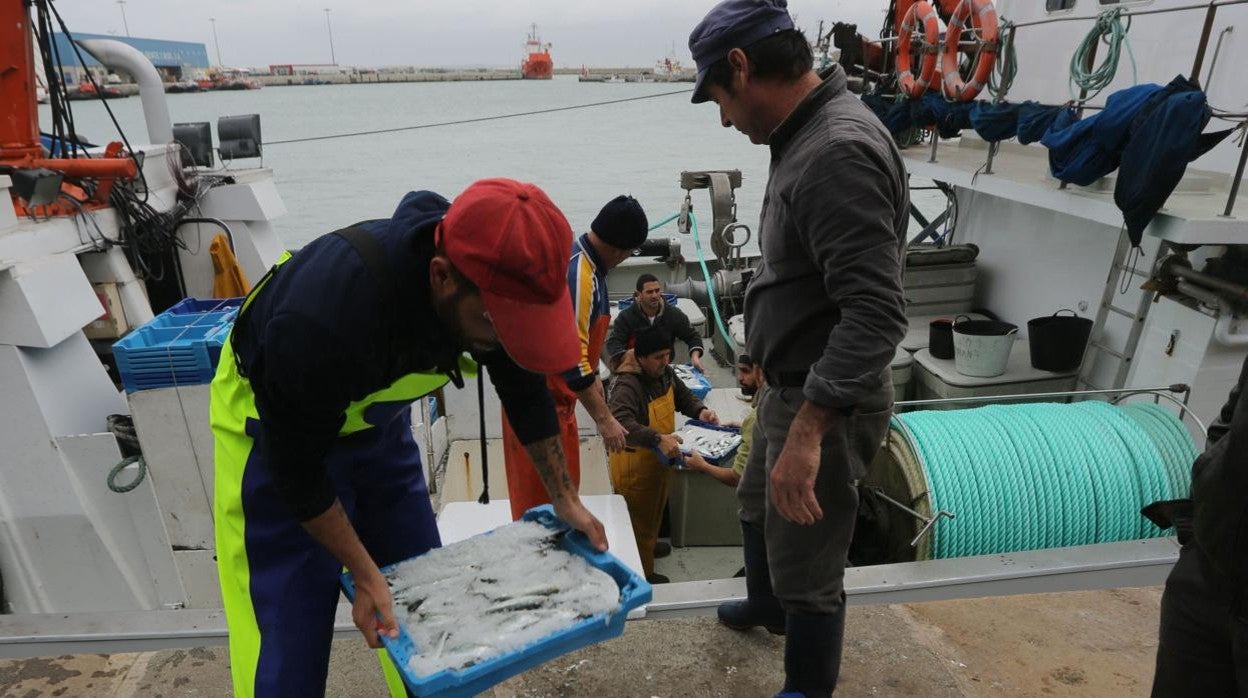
<point>433,32</point>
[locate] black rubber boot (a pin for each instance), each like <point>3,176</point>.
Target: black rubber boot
<point>812,653</point>
<point>761,607</point>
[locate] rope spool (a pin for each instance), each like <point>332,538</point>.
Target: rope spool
<point>1031,476</point>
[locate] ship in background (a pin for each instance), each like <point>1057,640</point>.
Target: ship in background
<point>537,65</point>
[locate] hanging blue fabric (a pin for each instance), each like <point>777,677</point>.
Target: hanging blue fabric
<point>1086,150</point>
<point>1035,119</point>
<point>896,116</point>
<point>949,118</point>
<point>1164,136</point>
<point>878,104</point>
<point>899,118</point>
<point>995,122</point>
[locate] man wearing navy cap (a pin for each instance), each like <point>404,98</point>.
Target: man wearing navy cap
<point>824,315</point>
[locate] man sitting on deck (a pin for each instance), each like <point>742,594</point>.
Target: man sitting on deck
<point>651,310</point>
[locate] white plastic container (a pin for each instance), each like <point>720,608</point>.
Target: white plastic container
<point>981,348</point>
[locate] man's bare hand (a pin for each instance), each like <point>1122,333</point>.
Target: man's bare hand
<point>612,433</point>
<point>372,610</point>
<point>669,445</point>
<point>793,484</point>
<point>572,511</point>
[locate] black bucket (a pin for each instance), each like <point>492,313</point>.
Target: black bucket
<point>1058,341</point>
<point>940,337</point>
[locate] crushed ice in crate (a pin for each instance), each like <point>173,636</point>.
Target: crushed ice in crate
<point>488,595</point>
<point>713,444</point>
<point>689,376</point>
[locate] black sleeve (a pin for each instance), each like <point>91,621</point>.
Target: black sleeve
<point>303,385</point>
<point>617,341</point>
<point>1222,424</point>
<point>683,330</point>
<point>526,399</point>
<point>1220,489</point>
<point>845,210</point>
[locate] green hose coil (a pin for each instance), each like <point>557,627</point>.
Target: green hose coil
<point>1044,475</point>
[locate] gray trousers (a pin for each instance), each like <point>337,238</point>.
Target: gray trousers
<point>808,562</point>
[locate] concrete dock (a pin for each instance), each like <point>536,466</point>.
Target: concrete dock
<point>1072,644</point>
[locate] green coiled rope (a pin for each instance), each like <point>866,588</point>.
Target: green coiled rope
<point>1110,29</point>
<point>1044,475</point>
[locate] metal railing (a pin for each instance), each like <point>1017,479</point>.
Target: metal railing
<point>1202,46</point>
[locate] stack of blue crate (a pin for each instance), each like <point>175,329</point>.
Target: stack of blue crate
<point>180,346</point>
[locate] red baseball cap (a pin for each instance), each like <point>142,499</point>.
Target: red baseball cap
<point>511,240</point>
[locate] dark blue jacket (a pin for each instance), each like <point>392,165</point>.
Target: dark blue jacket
<point>323,333</point>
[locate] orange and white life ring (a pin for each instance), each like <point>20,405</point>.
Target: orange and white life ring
<point>982,17</point>
<point>921,11</point>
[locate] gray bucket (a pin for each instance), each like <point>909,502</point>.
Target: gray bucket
<point>981,348</point>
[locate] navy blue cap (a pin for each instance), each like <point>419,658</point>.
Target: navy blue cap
<point>733,24</point>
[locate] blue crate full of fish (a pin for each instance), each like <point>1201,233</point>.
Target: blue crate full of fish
<point>693,379</point>
<point>479,611</point>
<point>181,346</point>
<point>718,443</point>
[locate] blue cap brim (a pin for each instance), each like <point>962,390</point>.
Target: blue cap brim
<point>699,88</point>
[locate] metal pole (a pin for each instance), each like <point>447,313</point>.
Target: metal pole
<point>124,23</point>
<point>1239,176</point>
<point>935,142</point>
<point>1204,43</point>
<point>216,43</point>
<point>332,59</point>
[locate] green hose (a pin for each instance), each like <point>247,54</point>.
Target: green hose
<point>706,274</point>
<point>1006,67</point>
<point>1043,475</point>
<point>1110,29</point>
<point>710,285</point>
<point>663,222</point>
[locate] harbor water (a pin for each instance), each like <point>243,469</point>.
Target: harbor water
<point>581,157</point>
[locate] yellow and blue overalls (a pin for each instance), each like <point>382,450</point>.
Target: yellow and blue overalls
<point>280,587</point>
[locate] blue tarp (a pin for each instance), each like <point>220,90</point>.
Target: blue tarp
<point>948,117</point>
<point>995,122</point>
<point>1034,120</point>
<point>1083,151</point>
<point>1164,136</point>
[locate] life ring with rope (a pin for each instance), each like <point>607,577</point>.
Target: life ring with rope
<point>919,12</point>
<point>981,16</point>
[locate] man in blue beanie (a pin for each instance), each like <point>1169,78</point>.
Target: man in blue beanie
<point>823,315</point>
<point>617,231</point>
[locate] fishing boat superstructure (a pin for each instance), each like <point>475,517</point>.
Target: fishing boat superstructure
<point>152,579</point>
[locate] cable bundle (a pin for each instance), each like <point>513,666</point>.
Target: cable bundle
<point>1026,477</point>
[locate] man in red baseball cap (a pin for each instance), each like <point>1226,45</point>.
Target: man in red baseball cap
<point>316,468</point>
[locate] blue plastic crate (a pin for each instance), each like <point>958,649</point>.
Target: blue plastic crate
<point>726,458</point>
<point>203,305</point>
<point>634,592</point>
<point>702,387</point>
<point>625,302</point>
<point>181,346</point>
